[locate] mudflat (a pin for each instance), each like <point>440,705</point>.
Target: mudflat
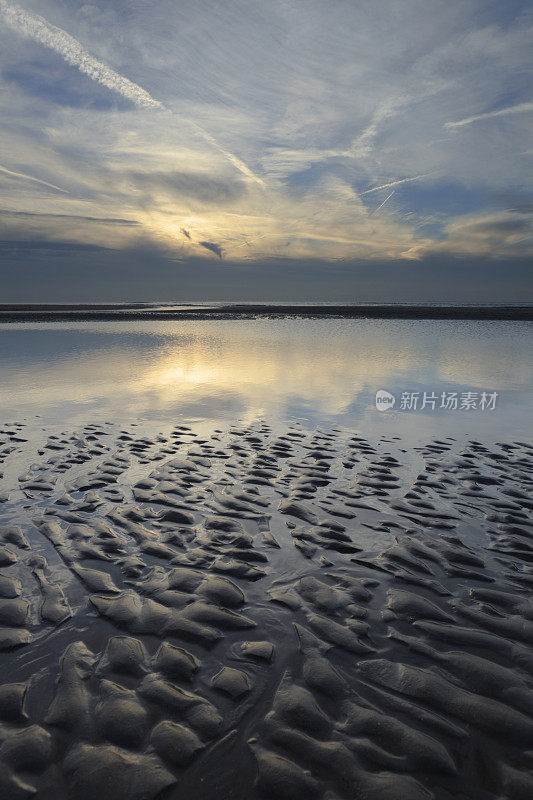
<point>264,613</point>
<point>54,312</point>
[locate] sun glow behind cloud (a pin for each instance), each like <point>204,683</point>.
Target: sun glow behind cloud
<point>263,137</point>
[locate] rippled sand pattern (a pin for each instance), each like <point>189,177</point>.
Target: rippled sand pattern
<point>256,614</point>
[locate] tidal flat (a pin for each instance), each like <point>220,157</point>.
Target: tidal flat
<point>257,585</point>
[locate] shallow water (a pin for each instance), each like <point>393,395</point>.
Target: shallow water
<point>225,574</point>
<point>317,371</point>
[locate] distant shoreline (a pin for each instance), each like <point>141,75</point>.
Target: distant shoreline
<point>139,311</point>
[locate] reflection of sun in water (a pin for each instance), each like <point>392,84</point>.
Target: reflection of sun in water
<point>175,375</point>
<point>260,367</point>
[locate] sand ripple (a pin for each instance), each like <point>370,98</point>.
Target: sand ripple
<point>264,614</point>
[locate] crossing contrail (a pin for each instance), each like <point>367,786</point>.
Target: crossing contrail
<point>396,183</point>
<point>40,30</point>
<point>383,203</point>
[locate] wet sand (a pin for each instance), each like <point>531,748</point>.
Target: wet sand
<point>190,311</point>
<point>257,613</point>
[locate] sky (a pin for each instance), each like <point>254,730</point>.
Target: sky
<point>265,150</point>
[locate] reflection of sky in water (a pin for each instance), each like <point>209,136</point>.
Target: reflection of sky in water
<point>321,371</point>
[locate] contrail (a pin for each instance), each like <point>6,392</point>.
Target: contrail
<point>383,203</point>
<point>395,183</point>
<point>31,178</point>
<point>40,30</point>
<point>237,163</point>
<point>521,108</point>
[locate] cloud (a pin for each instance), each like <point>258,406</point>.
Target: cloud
<point>36,27</point>
<point>492,226</point>
<point>237,162</point>
<point>40,30</point>
<point>520,108</point>
<point>213,246</point>
<point>519,204</point>
<point>192,185</point>
<point>340,103</point>
<point>40,75</point>
<point>62,226</point>
<point>493,236</point>
<point>46,272</point>
<point>23,246</point>
<point>24,177</point>
<point>396,183</point>
<point>41,214</point>
<point>186,233</point>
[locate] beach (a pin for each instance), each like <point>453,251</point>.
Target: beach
<point>67,312</point>
<point>266,392</point>
<point>311,601</point>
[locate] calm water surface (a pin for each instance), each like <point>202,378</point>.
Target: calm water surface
<point>318,371</point>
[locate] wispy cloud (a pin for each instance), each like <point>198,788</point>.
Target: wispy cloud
<point>38,214</point>
<point>396,183</point>
<point>520,108</point>
<point>501,234</point>
<point>240,165</point>
<point>193,185</point>
<point>24,177</point>
<point>36,27</point>
<point>363,144</point>
<point>345,100</point>
<point>40,30</point>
